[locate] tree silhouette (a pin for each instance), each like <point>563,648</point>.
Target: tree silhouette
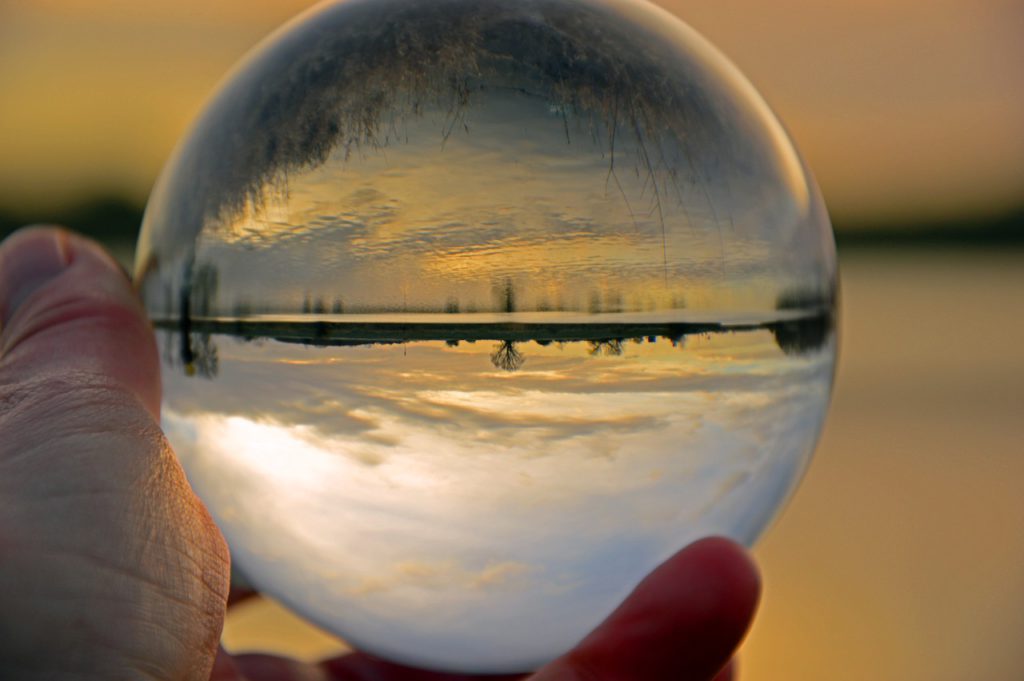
<point>806,298</point>
<point>505,296</point>
<point>197,299</point>
<point>348,81</point>
<point>506,357</point>
<point>803,336</point>
<point>203,355</point>
<point>203,289</point>
<point>610,348</point>
<point>807,334</point>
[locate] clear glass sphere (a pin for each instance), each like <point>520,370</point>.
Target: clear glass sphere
<point>474,312</point>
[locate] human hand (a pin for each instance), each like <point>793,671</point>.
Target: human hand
<point>110,568</point>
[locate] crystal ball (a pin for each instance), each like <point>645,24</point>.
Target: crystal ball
<point>472,313</point>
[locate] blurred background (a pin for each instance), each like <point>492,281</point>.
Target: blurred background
<point>902,554</point>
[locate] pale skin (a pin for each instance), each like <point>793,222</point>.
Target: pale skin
<point>111,568</point>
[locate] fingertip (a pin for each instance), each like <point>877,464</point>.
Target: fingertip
<point>720,584</point>
<point>683,622</point>
<point>713,581</point>
<point>732,566</point>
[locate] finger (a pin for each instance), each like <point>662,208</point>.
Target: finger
<point>271,668</point>
<point>224,668</point>
<point>727,674</point>
<point>363,667</point>
<point>263,668</point>
<point>683,622</point>
<point>67,307</point>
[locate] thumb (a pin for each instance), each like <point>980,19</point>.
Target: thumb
<point>67,307</point>
<point>109,564</point>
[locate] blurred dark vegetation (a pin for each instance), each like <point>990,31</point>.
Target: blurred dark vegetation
<point>115,220</point>
<point>106,219</point>
<point>1001,231</point>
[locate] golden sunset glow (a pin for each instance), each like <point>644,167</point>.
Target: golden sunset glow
<point>903,107</point>
<point>899,558</point>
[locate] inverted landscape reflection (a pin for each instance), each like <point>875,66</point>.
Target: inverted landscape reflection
<point>421,495</point>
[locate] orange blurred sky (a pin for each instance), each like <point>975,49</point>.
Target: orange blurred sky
<point>906,109</point>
